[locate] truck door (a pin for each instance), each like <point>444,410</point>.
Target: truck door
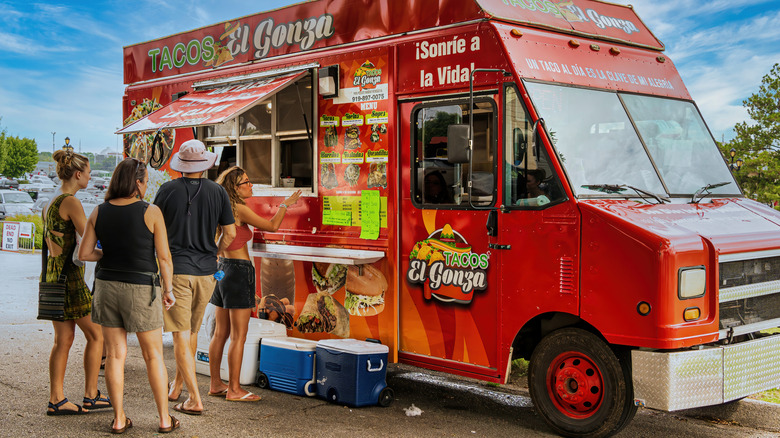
<point>537,238</point>
<point>448,286</point>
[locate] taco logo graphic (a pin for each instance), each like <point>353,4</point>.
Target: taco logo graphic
<point>367,76</point>
<point>445,266</point>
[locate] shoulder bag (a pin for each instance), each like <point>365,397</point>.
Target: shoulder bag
<point>51,295</point>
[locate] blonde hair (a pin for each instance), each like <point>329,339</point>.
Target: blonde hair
<point>68,163</point>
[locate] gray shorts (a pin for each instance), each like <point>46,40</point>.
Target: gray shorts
<point>127,305</point>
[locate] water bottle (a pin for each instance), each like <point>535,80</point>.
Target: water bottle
<point>219,275</point>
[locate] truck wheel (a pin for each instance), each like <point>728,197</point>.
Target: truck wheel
<point>386,397</point>
<point>579,386</point>
<point>262,380</point>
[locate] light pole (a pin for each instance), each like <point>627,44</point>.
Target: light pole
<point>734,166</point>
<point>67,144</point>
<point>52,141</point>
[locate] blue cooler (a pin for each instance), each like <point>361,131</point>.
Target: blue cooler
<point>287,365</point>
<point>352,372</point>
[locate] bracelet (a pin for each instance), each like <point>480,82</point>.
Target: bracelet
<point>282,205</point>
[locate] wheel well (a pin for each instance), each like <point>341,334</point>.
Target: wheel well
<point>534,330</point>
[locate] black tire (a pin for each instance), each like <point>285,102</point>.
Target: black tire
<point>262,380</point>
<point>386,397</point>
<point>579,386</point>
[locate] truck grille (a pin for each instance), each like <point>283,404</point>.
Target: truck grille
<point>749,294</point>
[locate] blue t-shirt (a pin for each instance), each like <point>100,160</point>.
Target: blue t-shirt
<point>193,208</point>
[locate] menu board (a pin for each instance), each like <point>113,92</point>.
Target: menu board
<point>354,153</point>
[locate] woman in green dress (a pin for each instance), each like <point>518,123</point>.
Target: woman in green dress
<point>63,217</point>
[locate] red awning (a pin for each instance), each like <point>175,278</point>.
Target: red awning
<point>209,107</point>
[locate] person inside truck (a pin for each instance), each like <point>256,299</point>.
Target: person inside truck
<point>435,189</point>
<point>535,196</point>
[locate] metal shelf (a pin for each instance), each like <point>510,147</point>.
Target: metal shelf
<point>342,256</point>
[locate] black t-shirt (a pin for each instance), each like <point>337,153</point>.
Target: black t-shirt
<point>193,207</point>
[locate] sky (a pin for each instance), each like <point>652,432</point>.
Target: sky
<point>61,62</point>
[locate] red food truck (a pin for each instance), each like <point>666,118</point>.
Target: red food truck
<point>483,180</point>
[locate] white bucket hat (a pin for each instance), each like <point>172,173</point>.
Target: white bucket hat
<point>193,157</point>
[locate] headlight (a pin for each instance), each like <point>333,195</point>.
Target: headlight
<point>692,282</point>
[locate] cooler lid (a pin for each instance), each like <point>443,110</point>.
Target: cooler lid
<point>290,343</point>
<point>260,328</point>
<point>353,346</point>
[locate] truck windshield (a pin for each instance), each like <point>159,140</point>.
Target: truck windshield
<point>597,144</point>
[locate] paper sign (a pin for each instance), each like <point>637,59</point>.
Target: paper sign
<point>10,236</point>
<point>25,230</point>
<point>369,214</point>
<point>334,217</point>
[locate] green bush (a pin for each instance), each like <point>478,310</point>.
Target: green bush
<point>37,220</point>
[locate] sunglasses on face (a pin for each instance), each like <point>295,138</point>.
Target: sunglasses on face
<point>245,182</point>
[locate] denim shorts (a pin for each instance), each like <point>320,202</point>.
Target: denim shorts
<point>237,289</point>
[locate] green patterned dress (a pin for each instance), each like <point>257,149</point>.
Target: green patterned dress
<point>78,298</point>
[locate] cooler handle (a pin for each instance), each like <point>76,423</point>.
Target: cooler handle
<point>373,370</point>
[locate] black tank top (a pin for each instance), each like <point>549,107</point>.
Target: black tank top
<point>127,243</point>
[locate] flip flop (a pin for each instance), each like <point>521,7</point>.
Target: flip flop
<point>91,403</point>
<point>57,411</point>
<point>248,397</point>
<point>169,391</point>
<point>128,425</point>
<point>222,393</point>
<point>180,408</point>
<point>174,425</point>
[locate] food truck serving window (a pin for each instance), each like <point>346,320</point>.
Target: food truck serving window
<point>270,140</point>
<point>436,182</point>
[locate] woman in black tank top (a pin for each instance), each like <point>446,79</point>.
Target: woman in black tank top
<point>127,294</point>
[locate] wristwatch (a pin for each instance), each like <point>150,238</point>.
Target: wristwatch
<point>282,205</point>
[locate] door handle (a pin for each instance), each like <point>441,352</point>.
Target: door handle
<point>497,246</point>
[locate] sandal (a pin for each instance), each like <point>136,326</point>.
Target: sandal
<point>174,425</point>
<point>128,425</point>
<point>92,403</point>
<point>57,411</point>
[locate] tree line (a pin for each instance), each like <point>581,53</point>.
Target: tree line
<point>757,143</point>
<point>17,155</point>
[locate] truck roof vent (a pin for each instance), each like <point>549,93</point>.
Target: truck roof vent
<point>568,275</point>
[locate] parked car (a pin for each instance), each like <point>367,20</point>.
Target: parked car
<point>8,183</point>
<point>14,202</point>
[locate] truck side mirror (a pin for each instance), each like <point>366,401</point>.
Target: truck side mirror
<point>520,144</point>
<point>458,144</point>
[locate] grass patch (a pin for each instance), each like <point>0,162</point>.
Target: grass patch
<point>771,396</point>
<point>519,369</point>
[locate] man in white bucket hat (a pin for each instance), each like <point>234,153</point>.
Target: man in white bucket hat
<point>193,207</point>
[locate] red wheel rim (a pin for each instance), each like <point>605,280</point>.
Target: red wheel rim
<point>575,385</point>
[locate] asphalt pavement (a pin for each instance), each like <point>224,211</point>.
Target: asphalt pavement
<point>446,405</point>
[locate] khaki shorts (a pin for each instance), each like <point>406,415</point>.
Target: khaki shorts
<point>192,293</point>
<point>127,305</point>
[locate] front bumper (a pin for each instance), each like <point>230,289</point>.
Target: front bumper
<point>671,381</point>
